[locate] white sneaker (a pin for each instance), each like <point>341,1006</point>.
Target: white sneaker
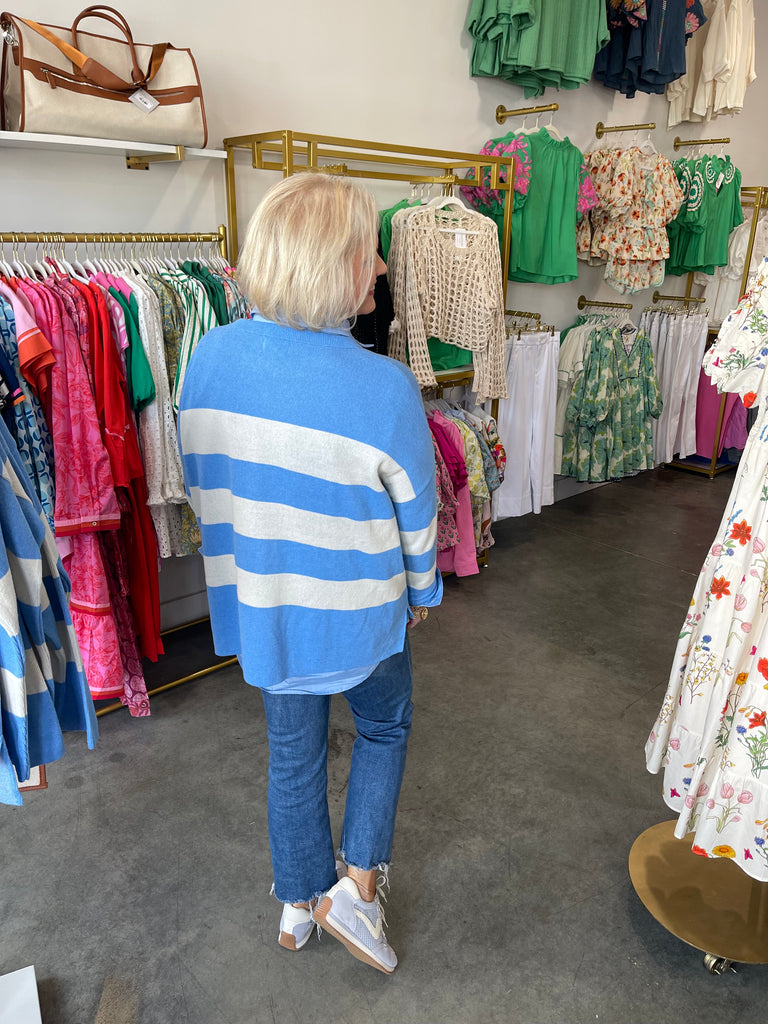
<point>296,923</point>
<point>296,926</point>
<point>357,924</point>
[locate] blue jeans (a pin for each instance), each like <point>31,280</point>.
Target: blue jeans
<point>297,799</point>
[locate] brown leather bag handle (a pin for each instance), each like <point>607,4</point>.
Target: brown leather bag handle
<point>97,11</point>
<point>95,72</point>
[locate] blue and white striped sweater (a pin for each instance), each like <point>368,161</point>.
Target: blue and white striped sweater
<point>309,464</point>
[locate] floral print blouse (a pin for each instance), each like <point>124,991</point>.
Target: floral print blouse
<point>637,197</point>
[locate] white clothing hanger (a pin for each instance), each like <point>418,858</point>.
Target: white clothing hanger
<point>551,130</point>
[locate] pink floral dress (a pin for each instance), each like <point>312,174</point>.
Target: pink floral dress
<point>711,735</point>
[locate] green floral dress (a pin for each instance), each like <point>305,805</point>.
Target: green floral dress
<point>608,418</point>
<point>711,735</point>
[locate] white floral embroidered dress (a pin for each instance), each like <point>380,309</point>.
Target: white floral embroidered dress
<point>711,735</point>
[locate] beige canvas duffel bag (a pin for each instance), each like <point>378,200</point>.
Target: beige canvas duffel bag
<point>64,81</point>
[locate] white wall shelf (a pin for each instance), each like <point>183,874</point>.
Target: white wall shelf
<point>80,144</point>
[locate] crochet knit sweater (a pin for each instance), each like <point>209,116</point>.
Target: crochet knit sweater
<point>310,467</point>
<point>445,275</point>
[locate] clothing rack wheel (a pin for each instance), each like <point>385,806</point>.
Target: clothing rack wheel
<point>708,903</point>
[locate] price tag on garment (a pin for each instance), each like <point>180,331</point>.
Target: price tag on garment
<point>719,182</point>
<point>141,99</point>
<point>461,238</point>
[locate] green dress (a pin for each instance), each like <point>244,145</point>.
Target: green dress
<point>608,419</point>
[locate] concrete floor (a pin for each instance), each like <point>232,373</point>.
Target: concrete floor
<point>138,883</point>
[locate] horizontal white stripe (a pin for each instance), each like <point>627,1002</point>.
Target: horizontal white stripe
<point>421,580</point>
<point>271,591</point>
<point>419,542</point>
<point>27,579</point>
<point>13,693</point>
<point>265,520</point>
<point>316,453</point>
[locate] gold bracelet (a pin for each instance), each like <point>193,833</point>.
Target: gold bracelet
<point>420,611</point>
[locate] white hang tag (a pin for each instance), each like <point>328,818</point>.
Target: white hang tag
<point>141,99</point>
<point>461,238</point>
<point>719,182</point>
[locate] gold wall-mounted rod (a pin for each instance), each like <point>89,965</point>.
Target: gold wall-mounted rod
<point>502,113</point>
<point>700,142</point>
<point>112,237</point>
<point>583,302</point>
<point>522,314</point>
<point>601,129</point>
<point>658,297</point>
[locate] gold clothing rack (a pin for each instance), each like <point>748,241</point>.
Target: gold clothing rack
<point>115,238</point>
<point>289,152</point>
<point>502,113</point>
<point>658,297</point>
<point>601,129</point>
<point>110,238</point>
<point>117,705</point>
<point>583,302</point>
<point>700,142</point>
<point>522,315</point>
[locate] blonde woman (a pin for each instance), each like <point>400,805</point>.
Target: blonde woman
<point>310,467</point>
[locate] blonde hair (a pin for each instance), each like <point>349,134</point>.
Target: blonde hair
<point>296,264</point>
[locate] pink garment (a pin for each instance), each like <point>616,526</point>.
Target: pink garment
<point>447,534</point>
<point>35,355</point>
<point>735,429</point>
<point>92,618</point>
<point>707,412</point>
<point>85,494</point>
<point>461,559</point>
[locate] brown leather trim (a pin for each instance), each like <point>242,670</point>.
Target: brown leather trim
<point>121,24</point>
<point>95,35</point>
<point>3,125</point>
<point>202,102</point>
<point>63,80</point>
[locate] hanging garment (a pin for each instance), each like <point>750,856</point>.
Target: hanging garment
<point>553,255</point>
<point>559,193</point>
<point>43,689</point>
<point>535,43</point>
<point>444,270</point>
<point>607,431</point>
<point>527,425</point>
<point>681,93</point>
<point>637,196</point>
<point>733,431</point>
<point>711,209</point>
<point>723,289</point>
<point>677,343</point>
<point>711,735</point>
<point>728,61</point>
<point>646,54</point>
